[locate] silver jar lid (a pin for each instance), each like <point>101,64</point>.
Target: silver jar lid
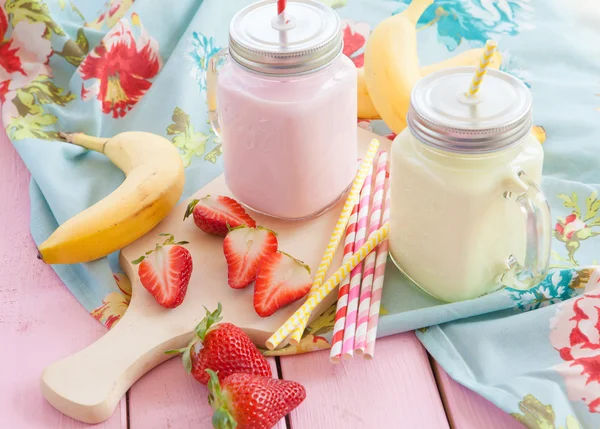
<point>441,115</point>
<point>311,39</point>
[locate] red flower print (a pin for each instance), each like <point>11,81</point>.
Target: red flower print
<point>114,304</point>
<point>9,60</point>
<point>4,90</point>
<point>355,37</point>
<point>121,67</point>
<point>23,57</point>
<point>575,335</point>
<point>571,225</point>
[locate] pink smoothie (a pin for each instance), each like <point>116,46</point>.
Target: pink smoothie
<point>289,143</point>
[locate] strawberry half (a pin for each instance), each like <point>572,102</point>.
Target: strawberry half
<point>244,249</point>
<point>217,215</point>
<point>281,280</point>
<point>165,271</point>
<point>248,401</point>
<point>222,347</point>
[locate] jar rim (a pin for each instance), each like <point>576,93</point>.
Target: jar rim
<point>437,117</point>
<point>295,51</point>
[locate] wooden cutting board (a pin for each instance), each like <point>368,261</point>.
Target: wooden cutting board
<point>88,385</point>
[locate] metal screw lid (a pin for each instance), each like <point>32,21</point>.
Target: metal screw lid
<point>442,116</point>
<point>311,39</point>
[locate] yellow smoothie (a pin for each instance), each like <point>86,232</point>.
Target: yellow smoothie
<point>455,172</point>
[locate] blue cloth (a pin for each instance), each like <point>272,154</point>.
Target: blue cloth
<point>106,67</point>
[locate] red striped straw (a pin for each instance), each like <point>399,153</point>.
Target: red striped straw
<point>380,263</point>
<point>369,270</point>
<point>281,10</point>
<point>356,274</point>
<point>342,303</point>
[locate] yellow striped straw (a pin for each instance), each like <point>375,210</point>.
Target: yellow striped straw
<point>303,313</point>
<point>484,62</point>
<point>340,226</point>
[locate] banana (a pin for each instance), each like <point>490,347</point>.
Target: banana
<point>539,133</point>
<point>464,59</point>
<point>366,110</point>
<point>392,64</point>
<point>152,187</point>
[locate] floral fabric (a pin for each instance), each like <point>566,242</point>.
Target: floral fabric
<point>103,67</point>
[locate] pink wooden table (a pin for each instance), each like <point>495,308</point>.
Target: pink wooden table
<point>40,321</point>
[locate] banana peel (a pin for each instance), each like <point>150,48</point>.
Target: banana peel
<point>366,109</point>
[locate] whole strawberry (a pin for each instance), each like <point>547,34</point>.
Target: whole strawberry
<point>222,347</point>
<point>248,401</point>
<point>217,215</point>
<point>165,271</point>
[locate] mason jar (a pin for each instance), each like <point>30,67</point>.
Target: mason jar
<point>467,215</point>
<point>282,97</point>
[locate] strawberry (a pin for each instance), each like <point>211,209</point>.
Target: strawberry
<point>222,347</point>
<point>281,280</point>
<point>165,271</point>
<point>244,249</point>
<point>248,401</point>
<point>218,215</point>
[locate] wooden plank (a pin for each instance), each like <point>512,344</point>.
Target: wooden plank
<point>468,410</point>
<point>40,321</point>
<point>396,389</point>
<point>167,397</point>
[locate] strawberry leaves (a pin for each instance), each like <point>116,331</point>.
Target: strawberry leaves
<point>221,418</point>
<point>208,322</point>
<point>199,334</point>
<point>169,241</point>
<point>190,208</point>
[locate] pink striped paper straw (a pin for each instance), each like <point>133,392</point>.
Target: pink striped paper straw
<point>378,277</point>
<point>369,270</point>
<point>342,303</point>
<point>356,274</point>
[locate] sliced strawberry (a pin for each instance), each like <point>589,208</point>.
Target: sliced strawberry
<point>244,248</point>
<point>165,272</point>
<point>281,280</point>
<point>217,215</point>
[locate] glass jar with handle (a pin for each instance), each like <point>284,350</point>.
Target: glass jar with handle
<point>467,215</point>
<point>282,97</point>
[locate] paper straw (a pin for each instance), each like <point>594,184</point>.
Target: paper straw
<point>356,274</point>
<point>339,229</point>
<point>378,277</point>
<point>303,313</point>
<point>369,270</point>
<point>281,10</point>
<point>490,47</point>
<point>342,302</point>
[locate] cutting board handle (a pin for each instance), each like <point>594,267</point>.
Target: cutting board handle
<point>88,385</point>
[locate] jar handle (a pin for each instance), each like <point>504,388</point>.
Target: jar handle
<point>211,89</point>
<point>538,221</point>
